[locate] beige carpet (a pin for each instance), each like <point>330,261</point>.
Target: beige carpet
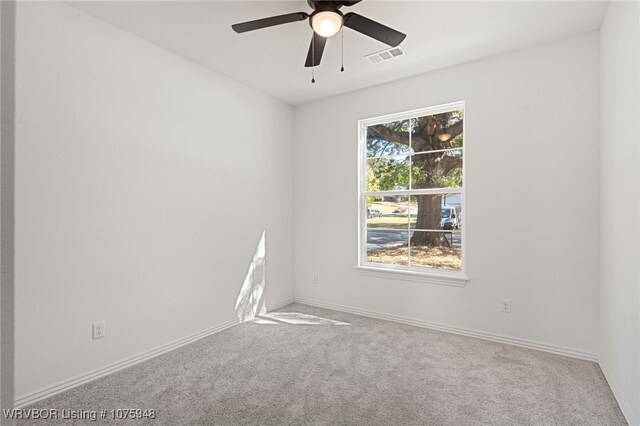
<point>303,365</point>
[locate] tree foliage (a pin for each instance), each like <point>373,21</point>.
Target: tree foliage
<point>417,153</point>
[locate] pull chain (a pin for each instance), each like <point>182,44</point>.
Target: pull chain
<point>342,43</point>
<point>313,58</point>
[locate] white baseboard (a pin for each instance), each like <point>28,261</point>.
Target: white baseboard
<point>78,380</point>
<point>47,391</point>
<point>525,343</point>
<point>615,388</point>
<point>280,304</point>
<point>64,385</point>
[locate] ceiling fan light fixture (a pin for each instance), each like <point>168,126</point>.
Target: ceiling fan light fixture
<point>326,23</point>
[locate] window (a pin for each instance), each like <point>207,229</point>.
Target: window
<point>411,193</point>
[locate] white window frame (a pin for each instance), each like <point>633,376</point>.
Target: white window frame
<point>410,273</point>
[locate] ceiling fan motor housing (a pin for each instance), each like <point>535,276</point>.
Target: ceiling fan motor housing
<point>316,4</point>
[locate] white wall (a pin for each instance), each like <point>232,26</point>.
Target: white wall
<point>531,144</point>
<point>620,183</point>
<point>144,182</point>
<point>143,185</point>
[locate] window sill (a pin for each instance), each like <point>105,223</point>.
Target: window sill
<point>441,278</point>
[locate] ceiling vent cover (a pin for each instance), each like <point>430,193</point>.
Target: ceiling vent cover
<point>385,55</point>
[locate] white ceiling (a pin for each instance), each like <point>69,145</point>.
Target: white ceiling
<point>439,34</point>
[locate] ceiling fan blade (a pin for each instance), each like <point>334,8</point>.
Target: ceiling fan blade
<point>317,4</point>
<point>269,22</point>
<point>315,50</point>
<point>373,29</point>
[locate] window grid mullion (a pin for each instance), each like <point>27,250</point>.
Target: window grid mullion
<point>427,191</point>
<point>393,156</point>
<point>409,195</point>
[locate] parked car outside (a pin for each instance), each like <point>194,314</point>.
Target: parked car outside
<point>451,217</point>
<point>373,213</point>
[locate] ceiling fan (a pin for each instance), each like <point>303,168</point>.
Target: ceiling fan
<point>326,20</point>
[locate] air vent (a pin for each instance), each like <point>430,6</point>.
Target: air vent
<point>386,55</point>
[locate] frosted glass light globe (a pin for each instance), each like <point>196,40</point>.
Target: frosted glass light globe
<point>326,24</point>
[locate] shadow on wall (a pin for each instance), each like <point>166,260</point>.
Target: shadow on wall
<point>250,302</point>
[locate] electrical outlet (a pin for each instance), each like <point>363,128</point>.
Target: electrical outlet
<point>98,330</point>
<point>316,279</point>
<point>505,305</point>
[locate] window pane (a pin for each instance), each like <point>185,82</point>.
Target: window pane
<point>389,247</point>
<point>389,212</point>
<point>437,170</point>
<point>388,174</point>
<point>436,249</point>
<point>388,139</point>
<point>438,131</point>
<point>423,153</point>
<point>436,211</point>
